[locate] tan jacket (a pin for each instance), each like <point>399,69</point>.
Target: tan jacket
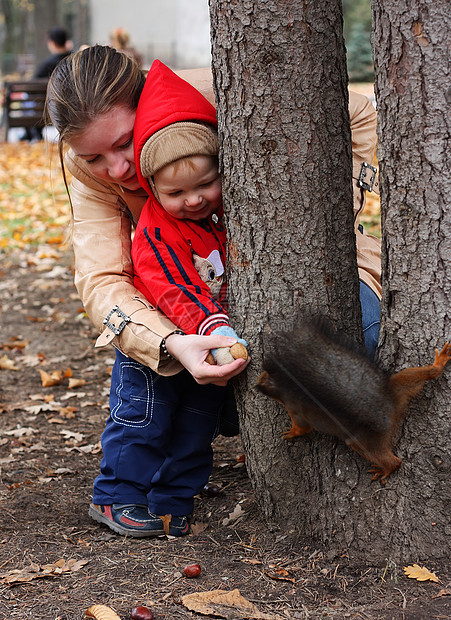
<point>102,238</point>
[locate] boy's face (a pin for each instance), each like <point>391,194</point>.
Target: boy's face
<point>189,188</point>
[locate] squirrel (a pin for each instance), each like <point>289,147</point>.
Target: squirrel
<point>327,383</point>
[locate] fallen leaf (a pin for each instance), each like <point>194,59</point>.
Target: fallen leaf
<point>101,612</point>
<point>446,591</point>
<point>68,412</point>
<point>21,432</point>
<point>61,471</point>
<point>88,449</point>
<point>35,409</point>
<point>198,527</point>
<point>31,360</point>
<point>420,573</point>
<point>237,513</point>
<point>225,604</point>
<point>73,383</point>
<point>72,435</point>
<point>36,571</point>
<point>7,364</point>
<point>73,395</point>
<point>280,573</point>
<point>54,378</point>
<point>14,343</point>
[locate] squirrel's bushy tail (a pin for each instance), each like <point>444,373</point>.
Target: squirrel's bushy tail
<point>313,364</point>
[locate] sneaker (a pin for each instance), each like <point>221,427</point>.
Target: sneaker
<point>178,526</point>
<point>129,520</point>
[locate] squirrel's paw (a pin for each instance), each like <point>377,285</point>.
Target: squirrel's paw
<point>443,357</point>
<point>296,431</point>
<point>290,434</point>
<point>378,473</point>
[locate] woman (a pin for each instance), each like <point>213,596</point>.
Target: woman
<point>92,98</point>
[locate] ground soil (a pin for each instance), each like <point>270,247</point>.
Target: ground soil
<point>49,456</point>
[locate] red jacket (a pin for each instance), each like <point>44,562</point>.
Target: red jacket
<point>163,246</point>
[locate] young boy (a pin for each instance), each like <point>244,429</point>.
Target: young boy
<point>157,441</point>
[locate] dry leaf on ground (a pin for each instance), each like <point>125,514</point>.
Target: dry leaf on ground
<point>68,435</point>
<point>23,431</point>
<point>49,379</point>
<point>14,343</point>
<point>7,364</point>
<point>225,604</point>
<point>101,612</point>
<point>234,516</point>
<point>73,383</point>
<point>280,573</point>
<point>36,571</point>
<point>446,591</point>
<point>420,573</point>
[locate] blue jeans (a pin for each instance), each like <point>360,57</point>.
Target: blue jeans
<point>371,313</point>
<point>157,441</point>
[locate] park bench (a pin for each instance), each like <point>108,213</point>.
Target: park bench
<point>23,104</point>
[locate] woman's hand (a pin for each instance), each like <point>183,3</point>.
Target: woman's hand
<point>191,351</point>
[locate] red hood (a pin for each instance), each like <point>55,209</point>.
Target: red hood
<point>166,99</point>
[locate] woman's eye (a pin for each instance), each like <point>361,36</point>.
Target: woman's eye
<point>211,274</point>
<point>127,144</point>
<point>92,161</point>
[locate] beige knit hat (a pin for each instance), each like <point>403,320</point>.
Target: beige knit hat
<point>175,141</point>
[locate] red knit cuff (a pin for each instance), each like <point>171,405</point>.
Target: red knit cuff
<point>211,323</point>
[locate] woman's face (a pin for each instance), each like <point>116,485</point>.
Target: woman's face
<point>106,145</point>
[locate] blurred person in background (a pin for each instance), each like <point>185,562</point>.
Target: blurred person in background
<point>120,40</point>
<point>59,47</point>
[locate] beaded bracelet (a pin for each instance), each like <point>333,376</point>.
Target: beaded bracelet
<point>163,343</point>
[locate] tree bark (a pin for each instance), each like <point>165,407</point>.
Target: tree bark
<point>281,89</point>
<point>45,17</point>
<point>413,98</point>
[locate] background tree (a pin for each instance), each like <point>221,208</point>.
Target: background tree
<point>45,17</point>
<point>281,88</point>
<point>413,97</point>
<point>357,28</point>
<point>24,25</point>
<point>359,56</point>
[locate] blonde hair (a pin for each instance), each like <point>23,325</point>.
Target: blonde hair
<point>187,162</point>
<point>119,38</point>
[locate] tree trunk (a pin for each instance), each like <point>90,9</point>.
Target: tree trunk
<point>281,89</point>
<point>45,18</point>
<point>413,98</point>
